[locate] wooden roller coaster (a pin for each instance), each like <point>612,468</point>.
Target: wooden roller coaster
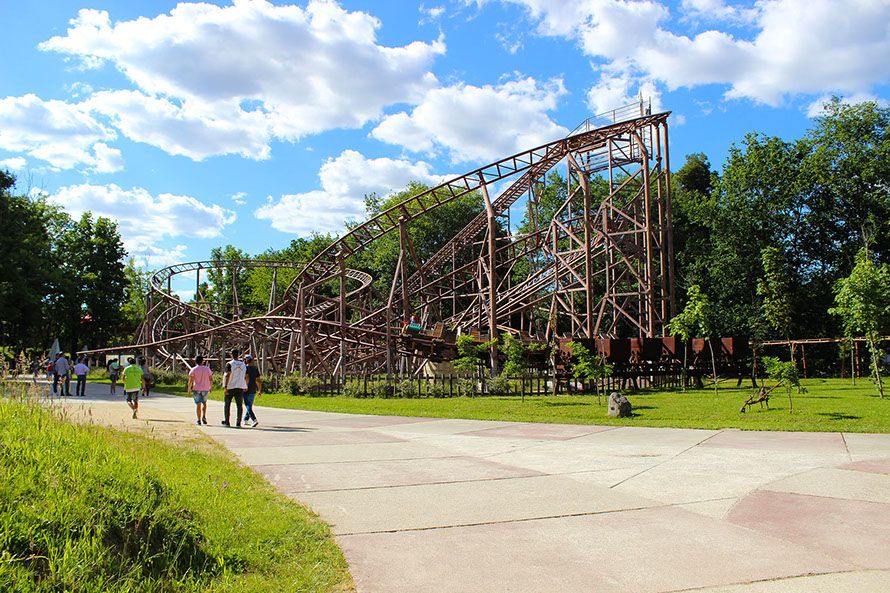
<point>601,266</point>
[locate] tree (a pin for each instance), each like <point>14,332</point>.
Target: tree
<point>133,308</point>
<point>785,375</point>
<point>228,284</point>
<point>773,287</point>
<point>589,366</point>
<point>862,301</point>
<point>696,318</point>
<point>27,267</point>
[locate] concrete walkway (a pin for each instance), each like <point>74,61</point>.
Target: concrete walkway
<point>426,505</point>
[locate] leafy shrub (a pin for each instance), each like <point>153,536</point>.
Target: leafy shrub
<point>467,387</point>
<point>499,385</point>
<point>406,388</point>
<point>167,377</point>
<point>296,384</point>
<point>381,389</point>
<point>436,390</point>
<point>291,383</point>
<point>354,388</point>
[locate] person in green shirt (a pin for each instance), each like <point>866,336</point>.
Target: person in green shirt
<point>134,382</point>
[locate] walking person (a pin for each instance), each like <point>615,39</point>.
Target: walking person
<point>62,375</point>
<point>114,368</point>
<point>199,385</point>
<point>133,381</point>
<point>147,381</point>
<point>234,384</point>
<point>254,388</point>
<point>81,370</point>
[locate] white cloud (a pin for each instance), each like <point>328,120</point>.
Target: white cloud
<point>817,107</point>
<point>145,220</point>
<point>345,180</point>
<point>15,163</point>
<point>474,123</point>
<point>154,256</point>
<point>238,198</point>
<point>616,91</point>
<point>64,135</point>
<point>194,132</point>
<point>431,13</point>
<point>228,80</point>
<point>717,10</point>
<point>798,47</point>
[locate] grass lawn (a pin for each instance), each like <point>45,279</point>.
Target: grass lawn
<point>828,405</point>
<point>90,509</point>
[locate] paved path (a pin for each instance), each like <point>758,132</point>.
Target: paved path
<point>426,505</point>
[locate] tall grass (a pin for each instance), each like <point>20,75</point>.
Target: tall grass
<point>88,509</point>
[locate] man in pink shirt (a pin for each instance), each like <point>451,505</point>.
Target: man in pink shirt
<point>200,379</point>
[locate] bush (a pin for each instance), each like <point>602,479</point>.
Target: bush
<point>438,391</point>
<point>354,388</point>
<point>467,387</point>
<point>406,388</point>
<point>499,385</point>
<point>296,384</point>
<point>168,377</point>
<point>381,389</point>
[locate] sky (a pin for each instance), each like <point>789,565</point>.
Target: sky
<point>251,122</point>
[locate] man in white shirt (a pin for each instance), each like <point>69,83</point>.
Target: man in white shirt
<point>81,370</point>
<point>234,384</point>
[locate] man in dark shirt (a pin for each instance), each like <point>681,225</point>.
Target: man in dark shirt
<point>254,388</point>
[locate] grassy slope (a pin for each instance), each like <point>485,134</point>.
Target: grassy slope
<point>84,508</point>
<point>828,405</point>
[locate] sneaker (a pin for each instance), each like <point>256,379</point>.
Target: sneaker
<point>224,423</point>
<point>204,420</point>
<point>238,425</point>
<point>134,414</point>
<point>198,423</point>
<point>255,424</point>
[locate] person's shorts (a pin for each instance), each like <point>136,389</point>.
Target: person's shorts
<point>112,377</point>
<point>132,396</point>
<point>200,397</point>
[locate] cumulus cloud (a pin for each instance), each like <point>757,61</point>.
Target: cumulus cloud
<point>64,135</point>
<point>797,47</point>
<point>817,107</point>
<point>154,256</point>
<point>472,123</point>
<point>615,91</point>
<point>15,163</point>
<point>345,180</point>
<point>717,10</point>
<point>227,80</point>
<point>145,220</point>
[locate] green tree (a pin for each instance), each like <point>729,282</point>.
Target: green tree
<point>589,366</point>
<point>428,233</point>
<point>696,318</point>
<point>785,375</point>
<point>862,301</point>
<point>133,308</point>
<point>228,283</point>
<point>27,268</point>
<point>775,291</point>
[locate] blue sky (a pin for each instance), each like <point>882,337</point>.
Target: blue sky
<point>253,122</point>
